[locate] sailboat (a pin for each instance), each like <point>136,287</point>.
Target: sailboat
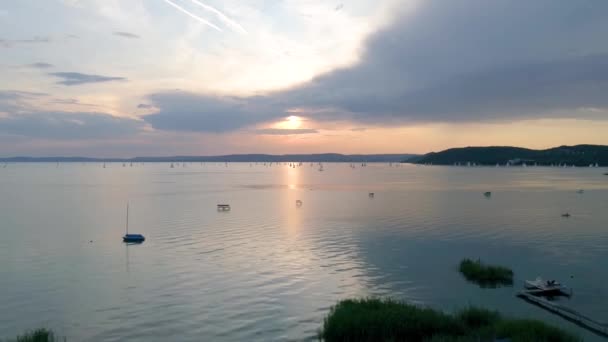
<point>132,238</point>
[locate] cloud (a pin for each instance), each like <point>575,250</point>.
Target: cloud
<point>12,101</point>
<point>126,34</point>
<point>518,91</point>
<point>40,65</point>
<point>281,131</point>
<point>182,111</point>
<point>339,7</point>
<point>71,101</point>
<point>452,62</point>
<point>20,116</point>
<point>68,126</point>
<point>76,78</point>
<point>19,94</point>
<point>35,40</point>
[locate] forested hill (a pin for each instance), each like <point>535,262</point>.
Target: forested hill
<point>579,155</point>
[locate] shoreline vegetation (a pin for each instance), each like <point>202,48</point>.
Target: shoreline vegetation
<point>389,320</point>
<point>373,319</point>
<point>485,275</point>
<point>38,335</point>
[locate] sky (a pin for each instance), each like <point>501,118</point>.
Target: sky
<point>117,78</point>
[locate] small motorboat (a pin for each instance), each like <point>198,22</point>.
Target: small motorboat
<point>488,193</point>
<point>566,215</point>
<point>541,286</point>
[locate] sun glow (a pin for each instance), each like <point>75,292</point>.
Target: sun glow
<point>292,122</point>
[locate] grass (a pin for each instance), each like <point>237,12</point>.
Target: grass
<point>38,335</point>
<point>485,275</point>
<point>389,320</point>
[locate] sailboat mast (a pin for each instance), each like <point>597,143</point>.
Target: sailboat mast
<point>127,218</point>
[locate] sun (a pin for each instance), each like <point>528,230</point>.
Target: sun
<point>293,122</point>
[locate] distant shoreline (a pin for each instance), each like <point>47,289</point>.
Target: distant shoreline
<point>243,158</point>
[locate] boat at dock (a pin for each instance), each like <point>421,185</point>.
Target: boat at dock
<point>540,286</point>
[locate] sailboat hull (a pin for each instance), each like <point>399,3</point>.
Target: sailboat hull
<point>133,238</point>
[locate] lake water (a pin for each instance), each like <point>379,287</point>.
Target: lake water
<point>269,270</point>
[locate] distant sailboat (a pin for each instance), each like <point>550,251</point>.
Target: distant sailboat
<point>133,238</point>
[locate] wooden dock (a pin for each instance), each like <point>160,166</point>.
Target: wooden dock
<point>569,314</point>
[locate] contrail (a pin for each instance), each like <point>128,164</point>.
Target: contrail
<point>192,15</point>
<point>222,17</point>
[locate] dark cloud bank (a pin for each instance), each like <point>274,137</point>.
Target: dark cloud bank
<point>447,61</point>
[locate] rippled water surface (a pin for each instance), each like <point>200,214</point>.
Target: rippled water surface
<point>269,270</point>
